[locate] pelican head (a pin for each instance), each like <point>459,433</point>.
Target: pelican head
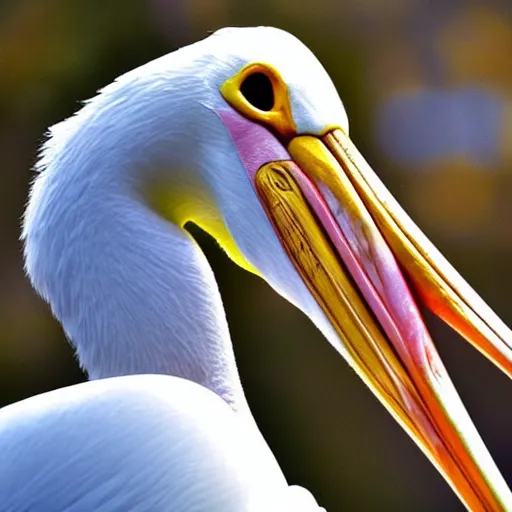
<point>244,134</point>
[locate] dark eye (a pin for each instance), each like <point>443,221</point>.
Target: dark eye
<point>258,91</point>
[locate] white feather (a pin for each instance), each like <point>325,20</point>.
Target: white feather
<point>135,294</point>
<point>146,443</point>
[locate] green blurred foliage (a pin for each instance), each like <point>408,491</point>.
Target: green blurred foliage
<point>326,429</point>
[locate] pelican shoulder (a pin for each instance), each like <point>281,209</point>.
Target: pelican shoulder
<point>150,440</point>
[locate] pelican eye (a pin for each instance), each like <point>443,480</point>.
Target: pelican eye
<point>258,90</point>
<point>259,93</point>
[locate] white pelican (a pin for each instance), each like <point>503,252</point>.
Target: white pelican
<point>242,133</point>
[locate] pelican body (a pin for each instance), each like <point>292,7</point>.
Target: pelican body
<point>244,134</point>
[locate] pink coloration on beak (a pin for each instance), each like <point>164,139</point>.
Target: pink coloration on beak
<point>255,145</point>
<point>380,280</point>
<point>375,271</point>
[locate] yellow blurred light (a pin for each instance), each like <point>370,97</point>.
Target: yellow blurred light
<point>477,45</point>
<point>453,195</point>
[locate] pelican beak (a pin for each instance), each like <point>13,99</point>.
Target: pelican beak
<point>362,258</point>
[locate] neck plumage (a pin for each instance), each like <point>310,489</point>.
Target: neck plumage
<point>133,291</point>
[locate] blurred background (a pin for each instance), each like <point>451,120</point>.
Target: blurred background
<point>427,85</point>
